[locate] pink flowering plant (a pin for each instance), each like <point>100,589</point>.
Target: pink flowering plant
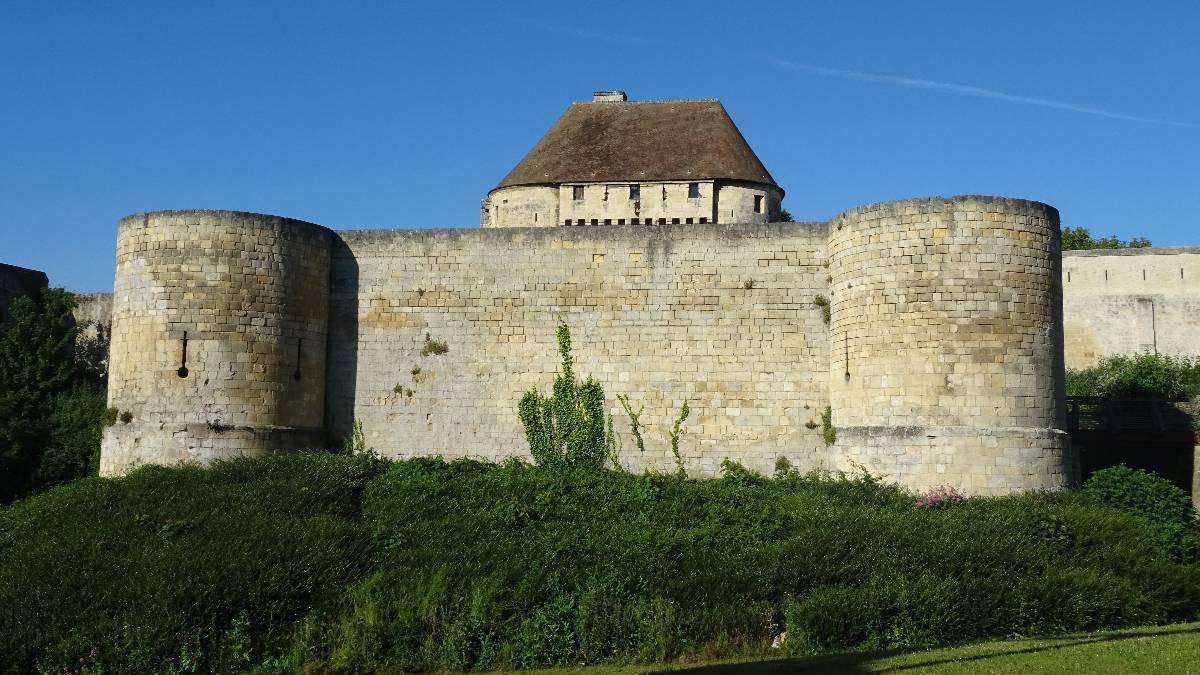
<point>87,664</point>
<point>939,496</point>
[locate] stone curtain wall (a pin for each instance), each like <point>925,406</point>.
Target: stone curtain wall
<point>1131,301</point>
<point>946,343</point>
<point>942,364</point>
<point>720,316</point>
<point>251,293</point>
<point>94,309</point>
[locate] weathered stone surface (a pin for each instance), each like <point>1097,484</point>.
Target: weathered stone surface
<point>1131,301</point>
<point>720,316</point>
<point>250,295</point>
<point>946,343</point>
<point>656,203</point>
<point>946,313</point>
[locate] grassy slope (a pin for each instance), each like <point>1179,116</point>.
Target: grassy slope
<point>1166,649</point>
<point>346,564</point>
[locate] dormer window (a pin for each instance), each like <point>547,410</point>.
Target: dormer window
<point>693,191</point>
<point>635,192</point>
<point>577,193</point>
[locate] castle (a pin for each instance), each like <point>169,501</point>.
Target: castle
<point>612,162</point>
<point>930,331</point>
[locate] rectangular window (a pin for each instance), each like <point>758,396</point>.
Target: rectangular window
<point>758,203</point>
<point>608,221</point>
<point>662,221</point>
<point>577,193</point>
<point>693,191</point>
<point>595,222</point>
<point>567,221</point>
<point>579,222</point>
<point>703,221</point>
<point>620,221</point>
<point>674,221</point>
<point>688,221</point>
<point>635,192</point>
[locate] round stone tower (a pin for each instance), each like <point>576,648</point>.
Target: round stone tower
<point>218,337</point>
<point>946,343</point>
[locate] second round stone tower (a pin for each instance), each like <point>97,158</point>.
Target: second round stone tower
<point>946,345</point>
<point>219,334</point>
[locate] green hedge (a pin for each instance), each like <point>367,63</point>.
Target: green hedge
<point>1144,375</point>
<point>346,564</point>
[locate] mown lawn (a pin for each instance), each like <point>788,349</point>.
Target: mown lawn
<point>1163,649</point>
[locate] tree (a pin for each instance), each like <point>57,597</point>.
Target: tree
<point>1080,239</point>
<point>38,378</point>
<point>785,216</point>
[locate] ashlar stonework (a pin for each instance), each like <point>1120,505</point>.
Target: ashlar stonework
<point>941,358</point>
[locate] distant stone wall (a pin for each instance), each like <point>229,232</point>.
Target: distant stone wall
<point>1131,301</point>
<point>218,337</point>
<point>946,347</point>
<point>720,316</point>
<point>94,309</point>
<point>16,281</point>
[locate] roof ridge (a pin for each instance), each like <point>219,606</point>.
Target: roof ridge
<point>652,100</point>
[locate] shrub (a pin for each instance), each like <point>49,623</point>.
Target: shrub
<point>941,495</point>
<point>1145,375</point>
<point>1141,493</point>
<point>37,368</point>
<point>171,565</point>
<point>76,425</point>
<point>1153,498</point>
<point>335,563</point>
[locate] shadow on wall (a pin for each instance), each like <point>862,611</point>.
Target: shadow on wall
<point>342,347</point>
<point>1149,434</point>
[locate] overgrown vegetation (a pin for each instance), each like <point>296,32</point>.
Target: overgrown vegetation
<point>338,563</point>
<point>635,421</point>
<point>568,428</point>
<point>355,442</point>
<point>823,302</point>
<point>1164,506</point>
<point>828,431</point>
<point>433,347</point>
<point>52,400</point>
<point>1079,238</point>
<point>676,433</point>
<point>1144,375</point>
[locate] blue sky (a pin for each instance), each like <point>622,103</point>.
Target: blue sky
<point>390,115</point>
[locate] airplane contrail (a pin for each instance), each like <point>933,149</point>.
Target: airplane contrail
<point>969,90</point>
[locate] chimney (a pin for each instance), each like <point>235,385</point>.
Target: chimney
<point>614,96</point>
